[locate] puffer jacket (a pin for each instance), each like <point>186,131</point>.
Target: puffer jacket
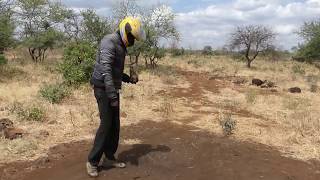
<point>108,69</point>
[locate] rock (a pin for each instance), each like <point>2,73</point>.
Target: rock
<point>13,133</point>
<point>257,82</point>
<point>5,123</point>
<point>295,90</point>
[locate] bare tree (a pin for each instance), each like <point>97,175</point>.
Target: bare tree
<point>5,5</point>
<point>39,22</point>
<point>252,40</point>
<point>124,8</point>
<point>72,26</point>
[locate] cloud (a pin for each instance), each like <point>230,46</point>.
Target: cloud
<point>209,22</point>
<point>103,4</point>
<point>213,24</point>
<point>94,4</point>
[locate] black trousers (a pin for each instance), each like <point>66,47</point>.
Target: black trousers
<point>107,137</point>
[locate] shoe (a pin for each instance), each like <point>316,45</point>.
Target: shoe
<point>113,163</point>
<point>92,170</point>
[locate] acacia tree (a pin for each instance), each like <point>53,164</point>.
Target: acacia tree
<point>39,21</point>
<point>310,31</point>
<point>252,40</point>
<point>72,26</point>
<point>159,24</point>
<point>84,31</point>
<point>207,50</point>
<point>123,8</point>
<point>6,25</point>
<point>94,26</point>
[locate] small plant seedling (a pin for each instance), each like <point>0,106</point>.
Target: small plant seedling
<point>228,124</point>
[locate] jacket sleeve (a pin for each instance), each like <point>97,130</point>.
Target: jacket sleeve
<point>107,58</point>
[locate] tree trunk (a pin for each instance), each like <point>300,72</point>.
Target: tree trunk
<point>249,63</point>
<point>146,61</point>
<point>37,54</point>
<point>137,59</point>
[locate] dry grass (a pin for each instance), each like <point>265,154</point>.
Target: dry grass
<point>289,122</point>
<point>76,117</point>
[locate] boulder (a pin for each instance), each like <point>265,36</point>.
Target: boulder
<point>257,82</point>
<point>295,90</point>
<point>5,123</point>
<point>13,133</point>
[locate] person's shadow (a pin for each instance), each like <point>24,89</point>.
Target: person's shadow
<point>137,151</point>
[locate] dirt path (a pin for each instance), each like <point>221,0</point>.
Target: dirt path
<point>173,152</point>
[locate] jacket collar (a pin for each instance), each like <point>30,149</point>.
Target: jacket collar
<point>120,39</point>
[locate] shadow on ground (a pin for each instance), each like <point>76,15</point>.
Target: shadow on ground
<point>137,151</point>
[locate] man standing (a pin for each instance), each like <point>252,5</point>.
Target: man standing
<point>106,80</point>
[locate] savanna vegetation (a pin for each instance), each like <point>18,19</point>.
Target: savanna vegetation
<point>47,53</point>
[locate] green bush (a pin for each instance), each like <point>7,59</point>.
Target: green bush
<point>3,60</point>
<point>298,69</point>
<point>78,62</point>
<point>177,52</point>
<point>33,113</point>
<point>54,93</point>
<point>207,50</point>
<point>310,51</point>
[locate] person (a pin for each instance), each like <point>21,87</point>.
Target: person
<point>106,80</point>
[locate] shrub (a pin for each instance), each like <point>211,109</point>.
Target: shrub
<point>298,69</point>
<point>166,107</point>
<point>3,60</point>
<point>228,124</point>
<point>177,52</point>
<point>35,113</point>
<point>32,113</point>
<point>207,50</point>
<point>78,61</point>
<point>54,93</point>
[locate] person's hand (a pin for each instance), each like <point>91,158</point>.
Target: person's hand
<point>134,79</point>
<point>114,103</point>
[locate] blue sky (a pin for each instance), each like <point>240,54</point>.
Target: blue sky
<point>210,22</point>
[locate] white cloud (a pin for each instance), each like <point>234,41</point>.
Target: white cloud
<point>212,25</point>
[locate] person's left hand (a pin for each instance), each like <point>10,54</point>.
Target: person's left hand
<point>134,80</point>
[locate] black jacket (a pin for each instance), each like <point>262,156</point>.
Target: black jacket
<point>108,69</point>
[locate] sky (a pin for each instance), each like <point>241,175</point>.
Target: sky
<point>210,22</point>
